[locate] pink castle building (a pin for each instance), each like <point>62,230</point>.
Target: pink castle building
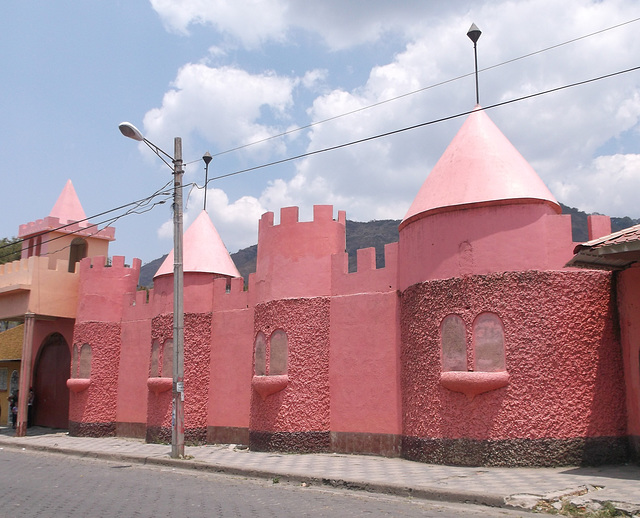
<point>476,344</point>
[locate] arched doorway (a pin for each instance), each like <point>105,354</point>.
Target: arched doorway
<point>50,383</point>
<point>77,252</point>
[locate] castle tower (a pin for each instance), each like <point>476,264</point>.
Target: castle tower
<point>204,255</point>
<point>482,209</point>
<point>205,258</point>
<point>65,233</point>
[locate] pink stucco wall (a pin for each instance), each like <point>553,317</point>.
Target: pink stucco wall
<point>231,364</point>
<point>197,332</point>
<point>294,258</point>
<point>563,358</point>
<point>303,406</point>
<point>629,305</point>
<point>95,407</point>
<point>483,240</point>
<point>366,410</point>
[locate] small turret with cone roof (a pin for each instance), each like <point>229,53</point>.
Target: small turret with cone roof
<point>65,233</point>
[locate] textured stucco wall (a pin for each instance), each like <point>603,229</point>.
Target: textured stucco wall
<point>93,411</point>
<point>303,406</point>
<point>562,355</point>
<point>197,332</point>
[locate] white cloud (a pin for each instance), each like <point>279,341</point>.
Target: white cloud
<point>609,185</point>
<point>250,21</point>
<point>224,105</point>
<point>560,134</point>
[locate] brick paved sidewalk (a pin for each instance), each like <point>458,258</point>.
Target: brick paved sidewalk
<point>502,487</point>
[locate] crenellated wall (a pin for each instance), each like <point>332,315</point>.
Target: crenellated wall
<point>294,258</point>
<point>36,285</point>
<point>516,367</point>
<point>102,290</point>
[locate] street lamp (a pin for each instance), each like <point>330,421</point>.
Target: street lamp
<point>474,35</point>
<point>177,421</point>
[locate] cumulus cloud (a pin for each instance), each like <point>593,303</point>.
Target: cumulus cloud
<point>339,24</point>
<point>225,105</point>
<point>563,135</point>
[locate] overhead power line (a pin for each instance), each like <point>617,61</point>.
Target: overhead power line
<point>413,92</point>
<point>422,124</point>
<point>146,200</point>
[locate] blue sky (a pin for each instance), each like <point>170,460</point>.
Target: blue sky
<point>225,74</point>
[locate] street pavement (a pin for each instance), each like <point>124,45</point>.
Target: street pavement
<point>515,488</point>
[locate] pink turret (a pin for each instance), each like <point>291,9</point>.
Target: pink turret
<point>482,209</point>
<point>204,256</point>
<point>65,233</point>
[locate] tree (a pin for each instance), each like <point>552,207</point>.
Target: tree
<point>10,249</point>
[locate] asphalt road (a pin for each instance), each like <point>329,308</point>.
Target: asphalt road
<point>47,485</point>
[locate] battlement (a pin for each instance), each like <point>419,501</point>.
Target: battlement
<point>49,224</point>
<point>98,263</point>
<point>22,270</point>
<point>366,278</point>
<point>290,216</point>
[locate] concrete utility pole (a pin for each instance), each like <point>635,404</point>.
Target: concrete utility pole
<point>177,417</point>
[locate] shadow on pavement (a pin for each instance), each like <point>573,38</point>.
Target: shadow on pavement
<point>33,431</point>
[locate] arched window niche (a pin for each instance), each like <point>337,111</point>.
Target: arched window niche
<point>453,335</point>
<point>488,370</point>
<point>270,377</point>
<point>161,367</point>
<point>488,343</point>
<point>278,353</point>
<point>80,368</point>
<point>260,354</point>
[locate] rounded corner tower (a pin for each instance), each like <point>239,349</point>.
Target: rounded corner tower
<point>482,209</point>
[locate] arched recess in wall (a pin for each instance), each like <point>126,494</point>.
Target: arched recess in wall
<point>260,355</point>
<point>154,370</point>
<point>167,359</point>
<point>80,368</point>
<point>270,376</point>
<point>50,383</point>
<point>453,339</point>
<point>278,353</point>
<point>488,370</point>
<point>161,367</point>
<point>488,343</point>
<point>77,252</point>
<point>86,355</point>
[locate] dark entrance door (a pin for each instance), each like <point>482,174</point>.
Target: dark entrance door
<point>50,383</point>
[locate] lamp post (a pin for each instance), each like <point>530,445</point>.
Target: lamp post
<point>474,35</point>
<point>177,421</point>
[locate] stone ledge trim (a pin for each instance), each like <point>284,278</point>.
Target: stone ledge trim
<point>473,383</point>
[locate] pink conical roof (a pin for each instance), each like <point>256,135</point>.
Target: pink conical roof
<point>479,167</point>
<point>68,207</point>
<point>202,251</point>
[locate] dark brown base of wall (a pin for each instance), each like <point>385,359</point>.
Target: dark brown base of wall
<point>385,445</point>
<point>291,442</point>
<point>634,446</point>
<point>135,430</point>
<point>227,435</point>
<point>591,451</point>
<point>162,435</point>
<point>92,429</point>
